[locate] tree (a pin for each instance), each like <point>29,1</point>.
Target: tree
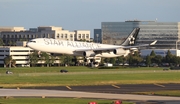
<point>1,42</point>
<point>112,60</point>
<point>75,60</point>
<point>158,59</point>
<point>106,60</point>
<point>44,58</point>
<point>148,60</point>
<point>8,61</point>
<point>130,58</point>
<point>168,57</point>
<point>68,59</point>
<point>152,54</point>
<point>120,60</point>
<point>137,60</point>
<point>34,58</point>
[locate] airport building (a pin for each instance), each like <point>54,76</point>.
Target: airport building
<point>11,35</point>
<point>167,34</point>
<point>18,53</point>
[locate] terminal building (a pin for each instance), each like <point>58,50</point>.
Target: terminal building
<point>167,34</point>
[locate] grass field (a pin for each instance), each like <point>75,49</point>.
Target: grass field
<point>55,101</point>
<point>43,76</point>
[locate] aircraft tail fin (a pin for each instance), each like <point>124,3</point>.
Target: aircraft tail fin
<point>130,40</point>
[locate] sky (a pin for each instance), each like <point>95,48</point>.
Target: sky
<point>84,14</point>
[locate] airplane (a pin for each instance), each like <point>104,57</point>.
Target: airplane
<point>87,49</point>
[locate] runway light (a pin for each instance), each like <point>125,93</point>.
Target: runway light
<point>92,103</point>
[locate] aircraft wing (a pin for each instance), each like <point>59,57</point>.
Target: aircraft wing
<point>96,50</point>
<point>111,49</point>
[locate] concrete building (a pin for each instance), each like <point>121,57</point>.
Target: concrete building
<point>167,33</point>
<point>11,29</point>
<point>11,37</point>
<point>82,35</point>
<point>18,53</point>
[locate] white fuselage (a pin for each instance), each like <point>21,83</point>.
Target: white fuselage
<point>70,47</point>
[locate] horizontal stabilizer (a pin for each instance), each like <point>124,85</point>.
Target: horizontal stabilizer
<point>153,43</point>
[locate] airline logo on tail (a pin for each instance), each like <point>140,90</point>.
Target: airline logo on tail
<point>131,38</point>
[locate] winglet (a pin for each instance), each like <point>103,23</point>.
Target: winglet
<point>153,43</point>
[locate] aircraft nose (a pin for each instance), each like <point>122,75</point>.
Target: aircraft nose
<point>28,44</point>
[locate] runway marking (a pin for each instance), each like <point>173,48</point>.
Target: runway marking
<point>115,86</point>
<point>69,87</point>
<point>159,85</point>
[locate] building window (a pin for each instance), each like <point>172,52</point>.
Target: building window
<point>65,35</point>
<point>57,35</point>
<point>79,35</point>
<point>61,35</point>
<point>87,35</point>
<point>83,36</point>
<point>28,36</point>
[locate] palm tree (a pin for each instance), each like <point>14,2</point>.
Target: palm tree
<point>8,61</point>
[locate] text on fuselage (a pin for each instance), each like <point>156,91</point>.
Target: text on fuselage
<point>71,44</point>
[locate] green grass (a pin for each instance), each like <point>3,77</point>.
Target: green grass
<point>44,76</point>
<point>55,101</point>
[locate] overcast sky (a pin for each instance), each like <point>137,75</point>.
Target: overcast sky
<point>84,14</point>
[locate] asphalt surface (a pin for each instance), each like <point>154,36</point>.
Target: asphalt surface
<point>78,94</point>
<point>116,89</point>
<point>123,92</point>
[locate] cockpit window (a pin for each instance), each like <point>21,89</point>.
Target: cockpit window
<point>33,41</point>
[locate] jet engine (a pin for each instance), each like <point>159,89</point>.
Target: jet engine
<point>119,51</point>
<point>88,54</point>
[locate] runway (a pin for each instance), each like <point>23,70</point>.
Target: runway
<point>122,92</point>
<point>115,88</point>
<point>78,94</point>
